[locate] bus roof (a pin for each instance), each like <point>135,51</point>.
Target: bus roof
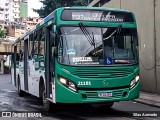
<point>98,8</point>
<point>51,15</point>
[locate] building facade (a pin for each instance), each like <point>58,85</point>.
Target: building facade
<point>18,28</point>
<point>14,9</point>
<point>31,22</point>
<point>148,20</point>
<point>1,14</point>
<point>24,8</point>
<point>1,64</point>
<point>11,9</point>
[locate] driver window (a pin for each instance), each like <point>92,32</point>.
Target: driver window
<point>60,49</point>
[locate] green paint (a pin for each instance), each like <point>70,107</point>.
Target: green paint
<point>65,95</point>
<point>38,25</point>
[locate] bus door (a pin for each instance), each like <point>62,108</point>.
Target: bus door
<point>15,56</point>
<point>26,63</point>
<point>49,62</point>
<point>13,65</point>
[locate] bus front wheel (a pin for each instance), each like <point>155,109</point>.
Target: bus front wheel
<point>47,105</point>
<point>108,105</point>
<point>103,105</point>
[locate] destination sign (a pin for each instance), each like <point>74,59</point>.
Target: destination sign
<point>95,15</point>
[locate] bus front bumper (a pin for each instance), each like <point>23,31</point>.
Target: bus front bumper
<point>83,96</point>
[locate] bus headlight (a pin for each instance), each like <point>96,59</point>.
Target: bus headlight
<point>67,84</point>
<point>134,81</point>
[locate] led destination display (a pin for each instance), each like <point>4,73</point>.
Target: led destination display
<point>94,15</point>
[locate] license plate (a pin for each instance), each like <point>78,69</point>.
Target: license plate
<point>105,94</point>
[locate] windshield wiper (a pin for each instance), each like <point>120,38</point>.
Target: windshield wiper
<point>90,39</point>
<point>117,30</point>
<point>87,35</point>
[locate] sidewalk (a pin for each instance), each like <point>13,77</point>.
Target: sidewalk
<point>149,99</point>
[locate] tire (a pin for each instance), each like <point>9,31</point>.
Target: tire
<point>109,105</point>
<point>41,85</point>
<point>20,92</point>
<point>47,105</point>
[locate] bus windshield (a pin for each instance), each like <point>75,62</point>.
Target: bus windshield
<point>97,46</point>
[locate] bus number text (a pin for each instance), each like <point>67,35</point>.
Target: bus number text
<point>84,83</point>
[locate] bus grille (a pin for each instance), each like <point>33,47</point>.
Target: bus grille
<point>115,94</point>
<point>102,73</point>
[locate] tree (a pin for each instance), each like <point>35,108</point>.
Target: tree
<point>51,5</point>
<point>2,33</point>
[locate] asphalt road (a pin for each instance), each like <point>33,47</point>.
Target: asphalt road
<point>9,101</point>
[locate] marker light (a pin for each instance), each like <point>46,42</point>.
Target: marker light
<point>134,81</point>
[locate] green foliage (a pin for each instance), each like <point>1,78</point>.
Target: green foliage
<point>2,33</point>
<point>51,5</point>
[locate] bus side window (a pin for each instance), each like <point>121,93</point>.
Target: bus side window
<point>21,55</point>
<point>35,44</point>
<point>31,45</point>
<point>15,54</point>
<point>41,42</point>
<point>22,50</point>
<point>17,57</point>
<point>41,47</point>
<point>19,51</point>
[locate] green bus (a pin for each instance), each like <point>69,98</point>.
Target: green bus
<point>79,55</point>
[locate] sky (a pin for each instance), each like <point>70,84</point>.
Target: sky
<point>33,4</point>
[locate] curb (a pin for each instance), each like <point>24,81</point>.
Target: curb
<point>148,102</point>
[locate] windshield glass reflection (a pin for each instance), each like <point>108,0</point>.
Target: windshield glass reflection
<point>97,46</point>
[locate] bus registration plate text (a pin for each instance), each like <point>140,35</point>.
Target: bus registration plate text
<point>105,94</point>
